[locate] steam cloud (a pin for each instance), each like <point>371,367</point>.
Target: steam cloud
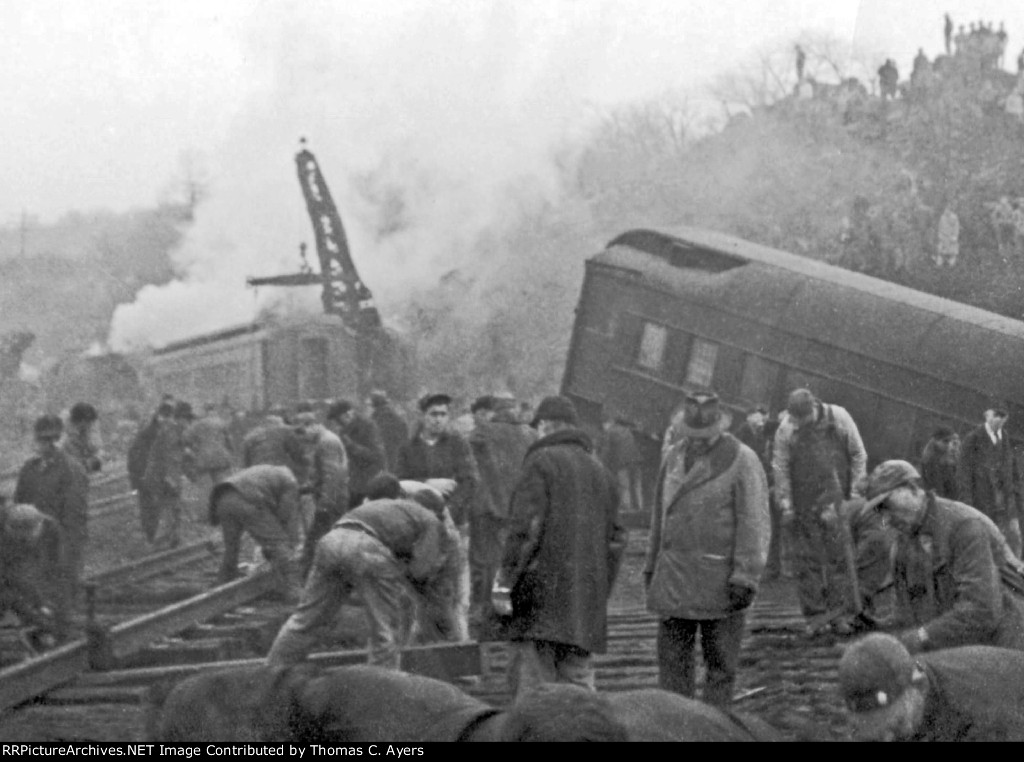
<point>437,128</point>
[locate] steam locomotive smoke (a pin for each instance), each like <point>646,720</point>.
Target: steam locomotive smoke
<point>439,132</point>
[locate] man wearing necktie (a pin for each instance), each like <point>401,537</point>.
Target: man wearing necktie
<point>988,475</point>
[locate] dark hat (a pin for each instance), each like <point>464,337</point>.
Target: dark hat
<point>378,398</point>
<point>49,424</point>
<point>874,672</point>
<point>338,409</point>
<point>166,409</point>
<point>702,415</point>
<point>888,477</point>
<point>800,403</point>
<point>942,433</point>
<point>555,409</point>
<point>429,400</point>
<point>83,412</point>
<point>484,402</point>
<point>183,411</point>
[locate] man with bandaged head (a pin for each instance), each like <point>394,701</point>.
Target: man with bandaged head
<point>710,529</point>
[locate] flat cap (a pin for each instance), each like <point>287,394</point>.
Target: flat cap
<point>888,477</point>
<point>428,401</point>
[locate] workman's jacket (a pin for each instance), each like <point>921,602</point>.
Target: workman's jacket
<point>268,488</point>
<point>449,457</point>
<point>953,577</point>
<point>275,444</point>
<point>710,528</point>
<point>975,693</point>
<point>208,444</point>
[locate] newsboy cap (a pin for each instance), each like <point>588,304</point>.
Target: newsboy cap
<point>874,672</point>
<point>888,477</point>
<point>429,400</point>
<point>555,408</point>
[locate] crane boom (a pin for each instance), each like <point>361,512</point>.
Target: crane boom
<point>344,292</point>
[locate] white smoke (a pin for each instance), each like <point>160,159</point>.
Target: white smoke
<point>432,123</point>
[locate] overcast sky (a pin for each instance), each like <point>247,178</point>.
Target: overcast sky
<point>101,98</point>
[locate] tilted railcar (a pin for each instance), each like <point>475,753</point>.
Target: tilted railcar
<point>259,366</point>
<point>664,312</point>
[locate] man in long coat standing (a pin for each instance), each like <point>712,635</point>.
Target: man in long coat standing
<point>562,553</point>
<point>710,529</point>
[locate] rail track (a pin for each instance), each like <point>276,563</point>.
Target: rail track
<point>784,678</point>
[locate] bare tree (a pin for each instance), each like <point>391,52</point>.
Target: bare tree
<point>771,74</point>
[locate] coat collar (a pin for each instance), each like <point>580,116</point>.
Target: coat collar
<point>574,437</point>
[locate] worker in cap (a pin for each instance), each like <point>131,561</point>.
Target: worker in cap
<point>972,693</point>
<point>81,442</point>
<point>437,451</point>
<point>57,485</point>
<point>363,446</point>
<point>818,459</point>
<point>709,543</point>
<point>30,583</point>
<point>939,462</point>
<point>957,581</point>
<point>394,431</point>
<point>328,479</point>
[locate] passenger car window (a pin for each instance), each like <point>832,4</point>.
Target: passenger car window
<point>652,346</point>
<point>701,369</point>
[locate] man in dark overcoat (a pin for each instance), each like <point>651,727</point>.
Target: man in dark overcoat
<point>562,553</point>
<point>499,443</point>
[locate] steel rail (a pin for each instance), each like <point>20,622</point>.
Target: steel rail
<point>436,659</point>
<point>149,566</point>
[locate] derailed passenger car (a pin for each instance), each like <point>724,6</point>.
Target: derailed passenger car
<point>664,312</point>
<point>263,365</point>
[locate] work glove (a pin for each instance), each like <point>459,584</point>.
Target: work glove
<point>740,596</point>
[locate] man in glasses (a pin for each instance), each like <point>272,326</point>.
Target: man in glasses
<point>957,581</point>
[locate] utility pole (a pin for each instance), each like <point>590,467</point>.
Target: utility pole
<point>23,229</point>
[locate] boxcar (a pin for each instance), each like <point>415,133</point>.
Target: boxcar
<point>261,365</point>
<point>664,312</point>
